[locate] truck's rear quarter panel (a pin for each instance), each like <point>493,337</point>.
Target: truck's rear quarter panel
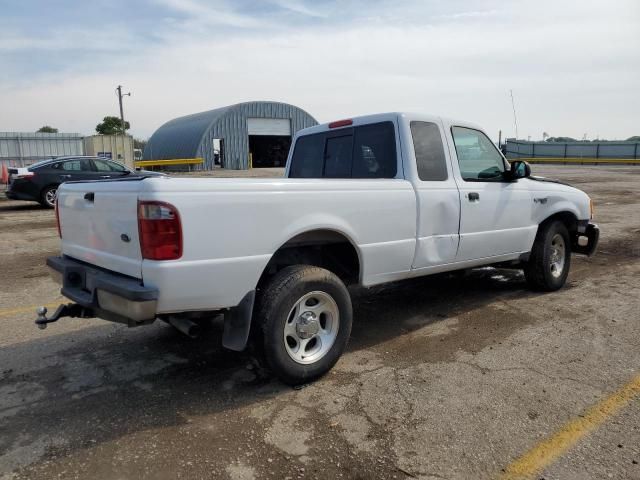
<point>231,228</point>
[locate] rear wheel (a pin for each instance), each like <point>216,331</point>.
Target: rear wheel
<point>48,196</point>
<point>550,259</point>
<point>306,317</point>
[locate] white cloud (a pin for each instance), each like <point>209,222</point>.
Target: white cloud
<point>115,39</point>
<point>214,13</point>
<point>297,6</point>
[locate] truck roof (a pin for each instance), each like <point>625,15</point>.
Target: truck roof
<point>388,116</point>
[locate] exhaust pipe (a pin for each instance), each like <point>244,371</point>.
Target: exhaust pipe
<point>184,325</point>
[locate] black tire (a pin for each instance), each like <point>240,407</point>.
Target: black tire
<point>541,271</point>
<point>276,302</point>
<point>46,199</point>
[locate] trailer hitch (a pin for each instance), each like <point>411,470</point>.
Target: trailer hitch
<point>72,310</point>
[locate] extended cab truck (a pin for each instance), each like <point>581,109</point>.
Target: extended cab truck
<point>365,201</point>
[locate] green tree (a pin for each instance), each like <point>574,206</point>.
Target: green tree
<point>139,143</point>
<point>635,138</point>
<point>111,126</point>
<point>561,139</point>
<point>47,129</point>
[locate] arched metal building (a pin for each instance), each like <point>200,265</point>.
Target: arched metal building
<point>256,133</point>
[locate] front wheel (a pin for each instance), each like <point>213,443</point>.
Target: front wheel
<point>48,196</point>
<point>306,318</point>
<point>550,259</point>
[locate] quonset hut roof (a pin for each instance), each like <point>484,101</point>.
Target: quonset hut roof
<point>191,136</point>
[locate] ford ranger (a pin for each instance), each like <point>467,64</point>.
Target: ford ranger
<point>365,201</point>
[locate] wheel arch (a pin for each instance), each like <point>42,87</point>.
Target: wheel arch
<point>325,247</point>
<point>568,217</point>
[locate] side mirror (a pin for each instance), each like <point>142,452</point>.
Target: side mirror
<point>520,169</point>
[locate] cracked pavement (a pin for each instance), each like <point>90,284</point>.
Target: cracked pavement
<point>453,376</point>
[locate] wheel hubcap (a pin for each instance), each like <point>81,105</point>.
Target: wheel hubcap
<point>307,325</point>
<point>557,257</point>
<point>50,197</point>
<point>312,327</point>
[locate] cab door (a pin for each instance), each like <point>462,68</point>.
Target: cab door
<point>437,197</point>
<point>495,212</point>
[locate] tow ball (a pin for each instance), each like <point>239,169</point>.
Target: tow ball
<point>69,310</point>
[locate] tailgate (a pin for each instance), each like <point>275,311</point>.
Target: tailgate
<point>99,224</point>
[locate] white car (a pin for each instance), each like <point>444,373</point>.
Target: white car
<point>365,201</point>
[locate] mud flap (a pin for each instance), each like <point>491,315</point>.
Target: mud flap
<point>237,323</point>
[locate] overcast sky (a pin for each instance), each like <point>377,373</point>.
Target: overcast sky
<point>574,66</point>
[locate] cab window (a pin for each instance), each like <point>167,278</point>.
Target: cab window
<point>367,151</point>
<point>374,153</point>
<point>478,157</point>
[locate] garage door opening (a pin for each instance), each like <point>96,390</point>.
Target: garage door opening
<point>268,151</point>
<point>218,152</point>
<point>269,141</point>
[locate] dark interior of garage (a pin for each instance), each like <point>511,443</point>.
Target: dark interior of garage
<point>269,150</point>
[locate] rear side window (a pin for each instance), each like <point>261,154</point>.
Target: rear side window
<point>368,151</point>
<point>72,166</point>
<point>430,158</point>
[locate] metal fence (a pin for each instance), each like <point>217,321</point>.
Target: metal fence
<point>20,149</point>
<point>586,150</point>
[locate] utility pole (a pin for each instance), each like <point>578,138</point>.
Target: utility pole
<point>515,120</point>
<point>120,95</point>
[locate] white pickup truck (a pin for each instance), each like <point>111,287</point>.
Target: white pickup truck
<point>365,201</point>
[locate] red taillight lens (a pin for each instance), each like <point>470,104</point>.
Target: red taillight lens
<point>25,176</point>
<point>56,208</point>
<point>341,123</point>
<point>160,231</point>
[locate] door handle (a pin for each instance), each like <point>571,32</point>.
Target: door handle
<point>90,196</point>
<point>105,176</point>
<point>64,176</point>
<point>474,196</point>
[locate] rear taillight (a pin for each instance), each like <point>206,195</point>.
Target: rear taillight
<point>57,210</point>
<point>26,176</point>
<point>160,231</point>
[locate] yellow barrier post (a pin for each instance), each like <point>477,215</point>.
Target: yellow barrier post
<point>173,161</point>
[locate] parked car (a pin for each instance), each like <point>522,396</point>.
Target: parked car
<point>367,200</point>
<point>40,181</point>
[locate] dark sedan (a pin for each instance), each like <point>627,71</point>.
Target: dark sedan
<point>40,181</point>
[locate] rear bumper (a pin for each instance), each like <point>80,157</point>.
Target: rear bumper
<point>109,295</point>
<point>591,232</point>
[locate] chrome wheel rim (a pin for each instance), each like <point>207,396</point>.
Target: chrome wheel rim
<point>50,196</point>
<point>558,253</point>
<point>311,327</point>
